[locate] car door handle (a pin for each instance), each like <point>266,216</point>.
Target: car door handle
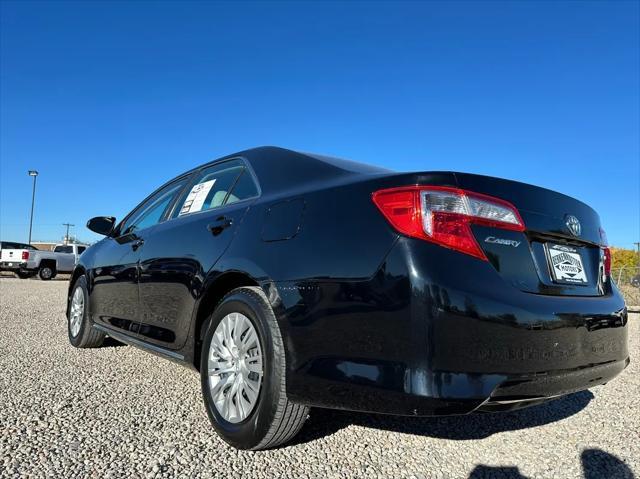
<point>219,225</point>
<point>136,244</point>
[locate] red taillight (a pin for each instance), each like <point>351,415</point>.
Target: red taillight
<point>443,215</point>
<point>606,254</point>
<point>607,261</point>
<point>25,255</point>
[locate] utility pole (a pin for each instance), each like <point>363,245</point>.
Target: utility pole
<point>33,173</point>
<point>66,237</point>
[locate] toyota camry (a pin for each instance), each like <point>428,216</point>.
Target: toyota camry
<point>292,280</point>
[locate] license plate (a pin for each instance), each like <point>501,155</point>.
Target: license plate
<point>566,264</point>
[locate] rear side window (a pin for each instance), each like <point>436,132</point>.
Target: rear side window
<point>216,186</point>
<point>244,188</point>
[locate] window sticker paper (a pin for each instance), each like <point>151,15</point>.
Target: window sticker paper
<point>195,198</point>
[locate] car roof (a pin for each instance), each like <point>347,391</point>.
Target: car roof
<point>280,168</point>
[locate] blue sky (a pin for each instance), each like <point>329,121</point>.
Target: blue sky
<point>109,100</point>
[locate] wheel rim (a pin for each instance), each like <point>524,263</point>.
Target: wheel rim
<point>235,367</point>
<point>77,311</point>
<point>46,273</point>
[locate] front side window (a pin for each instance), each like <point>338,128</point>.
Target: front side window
<point>81,249</point>
<point>151,211</point>
<point>212,188</point>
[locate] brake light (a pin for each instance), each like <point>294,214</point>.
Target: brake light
<point>25,255</point>
<point>606,254</point>
<point>607,261</point>
<point>443,215</point>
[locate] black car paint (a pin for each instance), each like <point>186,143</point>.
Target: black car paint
<point>371,320</point>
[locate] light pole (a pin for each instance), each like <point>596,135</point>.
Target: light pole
<point>33,173</point>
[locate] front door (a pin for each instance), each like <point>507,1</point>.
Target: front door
<point>114,283</point>
<point>115,297</point>
<point>179,252</point>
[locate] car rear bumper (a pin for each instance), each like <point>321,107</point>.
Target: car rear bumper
<point>528,389</point>
<point>13,265</point>
<point>418,340</point>
<point>444,393</point>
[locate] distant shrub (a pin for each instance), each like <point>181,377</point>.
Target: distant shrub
<point>621,258</point>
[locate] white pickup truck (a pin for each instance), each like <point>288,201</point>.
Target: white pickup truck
<point>26,260</point>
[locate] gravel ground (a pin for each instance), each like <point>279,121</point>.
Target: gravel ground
<point>120,412</point>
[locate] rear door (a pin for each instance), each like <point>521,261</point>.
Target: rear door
<point>179,252</point>
<point>114,292</point>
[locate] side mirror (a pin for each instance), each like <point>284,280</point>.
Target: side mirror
<point>103,225</point>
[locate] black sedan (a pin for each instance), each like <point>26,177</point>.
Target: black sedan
<point>291,280</point>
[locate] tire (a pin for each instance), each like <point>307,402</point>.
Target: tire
<point>46,273</point>
<point>635,281</point>
<point>82,335</point>
<point>24,275</point>
<point>273,420</point>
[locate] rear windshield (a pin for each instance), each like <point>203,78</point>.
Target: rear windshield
<point>350,165</point>
<point>63,249</point>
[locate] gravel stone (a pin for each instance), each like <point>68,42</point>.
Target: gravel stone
<point>120,412</point>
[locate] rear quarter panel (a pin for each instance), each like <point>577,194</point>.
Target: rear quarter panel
<point>325,281</point>
<point>339,235</point>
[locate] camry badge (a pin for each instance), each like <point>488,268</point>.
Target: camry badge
<point>508,242</point>
<point>573,224</point>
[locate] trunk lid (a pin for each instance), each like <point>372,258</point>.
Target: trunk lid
<point>559,252</point>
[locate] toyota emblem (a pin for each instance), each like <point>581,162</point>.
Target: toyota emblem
<point>573,224</point>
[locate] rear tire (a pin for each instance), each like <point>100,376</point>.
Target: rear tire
<point>273,419</point>
<point>46,273</point>
<point>25,275</point>
<point>81,333</point>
